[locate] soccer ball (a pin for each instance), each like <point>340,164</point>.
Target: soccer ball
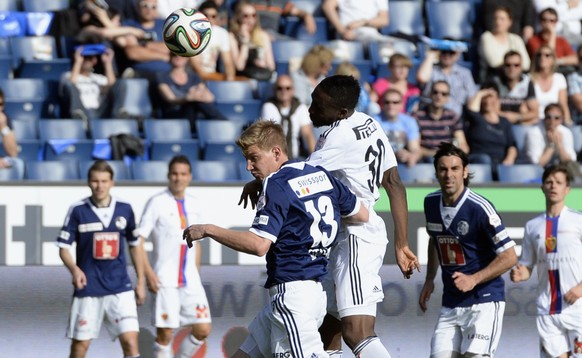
<point>187,32</point>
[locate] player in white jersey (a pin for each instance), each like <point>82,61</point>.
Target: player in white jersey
<point>297,220</point>
<point>356,150</point>
<point>469,240</point>
<point>553,242</point>
<point>100,225</point>
<point>180,297</point>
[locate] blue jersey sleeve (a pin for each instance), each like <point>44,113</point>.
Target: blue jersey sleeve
<point>272,210</point>
<point>70,228</point>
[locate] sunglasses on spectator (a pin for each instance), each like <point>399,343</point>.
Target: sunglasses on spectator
<point>145,5</point>
<point>442,93</point>
<point>284,88</point>
<point>545,54</point>
<point>549,19</point>
<point>549,116</point>
<point>387,101</point>
<point>247,15</point>
<point>447,52</point>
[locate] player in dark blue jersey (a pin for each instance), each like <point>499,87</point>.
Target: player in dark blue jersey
<point>297,220</point>
<point>100,225</point>
<point>469,240</point>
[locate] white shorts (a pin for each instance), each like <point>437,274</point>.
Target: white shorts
<point>354,265</point>
<point>180,306</point>
<point>475,329</point>
<point>559,331</point>
<point>288,325</point>
<point>119,312</point>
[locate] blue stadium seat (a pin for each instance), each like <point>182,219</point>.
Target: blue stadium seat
<point>295,27</point>
<point>132,99</point>
<point>215,171</point>
<point>29,48</point>
<point>61,129</point>
<point>68,149</point>
<point>519,133</point>
<point>312,7</point>
<point>520,173</point>
<point>166,150</point>
<point>9,5</point>
<point>5,66</point>
<point>167,129</point>
<point>221,151</point>
<point>285,51</point>
<point>419,173</point>
<point>14,173</point>
<point>52,171</point>
<point>25,98</point>
<point>152,170</point>
<point>450,19</point>
<point>120,169</point>
<point>231,90</point>
<point>380,53</point>
<point>481,173</point>
<point>243,173</point>
<point>405,17</point>
<point>577,134</point>
<point>104,128</point>
<point>347,50</point>
<point>30,150</point>
<point>45,5</point>
<point>247,111</point>
<point>218,131</point>
<point>25,129</point>
<point>45,69</point>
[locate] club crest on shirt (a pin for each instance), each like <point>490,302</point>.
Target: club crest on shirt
<point>494,220</point>
<point>463,227</point>
<point>551,242</point>
<point>120,222</point>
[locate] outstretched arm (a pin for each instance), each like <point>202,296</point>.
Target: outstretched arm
<point>243,241</point>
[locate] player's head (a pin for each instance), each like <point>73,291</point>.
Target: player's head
<point>179,174</point>
<point>333,99</point>
<point>450,164</point>
<point>264,146</point>
<point>100,179</point>
<point>556,181</point>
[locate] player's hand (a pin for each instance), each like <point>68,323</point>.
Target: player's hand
<point>193,233</point>
<point>140,294</point>
<point>407,261</point>
<point>251,191</point>
<point>153,282</point>
<point>463,283</point>
<point>425,293</point>
<point>519,273</point>
<point>573,294</point>
<point>79,279</point>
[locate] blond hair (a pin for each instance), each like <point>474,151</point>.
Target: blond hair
<point>263,133</point>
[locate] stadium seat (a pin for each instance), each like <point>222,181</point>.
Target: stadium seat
<point>61,129</point>
<point>238,110</point>
<point>380,53</point>
<point>347,50</point>
<point>68,149</point>
<point>25,129</point>
<point>419,173</point>
<point>120,169</point>
<point>312,7</point>
<point>25,98</point>
<point>14,173</point>
<point>243,173</point>
<point>520,173</point>
<point>52,171</point>
<point>9,5</point>
<point>104,128</point>
<point>295,28</point>
<point>152,170</point>
<point>231,90</point>
<point>215,171</point>
<point>218,131</point>
<point>519,133</point>
<point>45,69</point>
<point>481,173</point>
<point>5,66</point>
<point>30,48</point>
<point>167,129</point>
<point>450,19</point>
<point>221,151</point>
<point>286,51</point>
<point>132,99</point>
<point>577,134</point>
<point>166,150</point>
<point>30,150</point>
<point>405,17</point>
<point>45,5</point>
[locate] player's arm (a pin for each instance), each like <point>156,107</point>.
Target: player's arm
<point>79,278</point>
<point>137,257</point>
<point>431,271</point>
<point>520,273</point>
<point>151,278</point>
<point>405,258</point>
<point>243,241</point>
<point>500,264</point>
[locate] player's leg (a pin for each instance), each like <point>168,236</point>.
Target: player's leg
<point>331,335</point>
<point>129,344</point>
<point>194,312</point>
<point>79,348</point>
<point>166,319</point>
<point>120,319</point>
<point>258,341</point>
<point>554,339</point>
<point>447,336</point>
<point>84,324</point>
<point>481,326</point>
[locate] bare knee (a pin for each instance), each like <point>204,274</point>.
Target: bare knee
<point>357,328</point>
<point>164,336</point>
<point>79,348</point>
<point>331,333</point>
<point>129,343</point>
<point>201,331</point>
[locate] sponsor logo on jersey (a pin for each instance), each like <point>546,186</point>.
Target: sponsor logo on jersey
<point>502,235</point>
<point>65,235</point>
<point>105,245</point>
<point>451,251</point>
<point>310,184</point>
<point>434,227</point>
<point>90,227</point>
<point>366,129</point>
<point>494,220</point>
<point>463,227</point>
<point>261,220</point>
<point>120,222</point>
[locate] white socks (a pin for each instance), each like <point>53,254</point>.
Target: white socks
<point>371,347</point>
<point>188,347</point>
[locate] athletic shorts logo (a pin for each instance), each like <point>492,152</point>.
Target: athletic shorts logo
<point>463,227</point>
<point>578,345</point>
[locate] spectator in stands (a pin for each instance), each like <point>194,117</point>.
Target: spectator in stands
<point>442,66</point>
<point>270,12</point>
<point>550,142</point>
<point>357,20</point>
<point>569,17</point>
<point>8,138</point>
<point>315,66</point>
<point>250,44</point>
<point>368,102</point>
<point>489,135</point>
<point>516,90</point>
<point>206,63</point>
<point>149,55</point>
<point>166,7</point>
<point>438,124</point>
<point>184,95</point>
<point>399,66</point>
<point>575,91</point>
<point>284,108</point>
<point>522,13</point>
<point>565,55</point>
<point>104,25</point>
<point>550,86</point>
<point>85,93</point>
<point>495,43</point>
<point>400,128</point>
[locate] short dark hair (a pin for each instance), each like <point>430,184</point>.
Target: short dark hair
<point>552,106</point>
<point>446,149</point>
<point>344,91</point>
<point>181,159</point>
<point>559,168</point>
<point>208,4</point>
<point>100,166</point>
<point>511,53</point>
<point>440,82</point>
<point>490,85</point>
